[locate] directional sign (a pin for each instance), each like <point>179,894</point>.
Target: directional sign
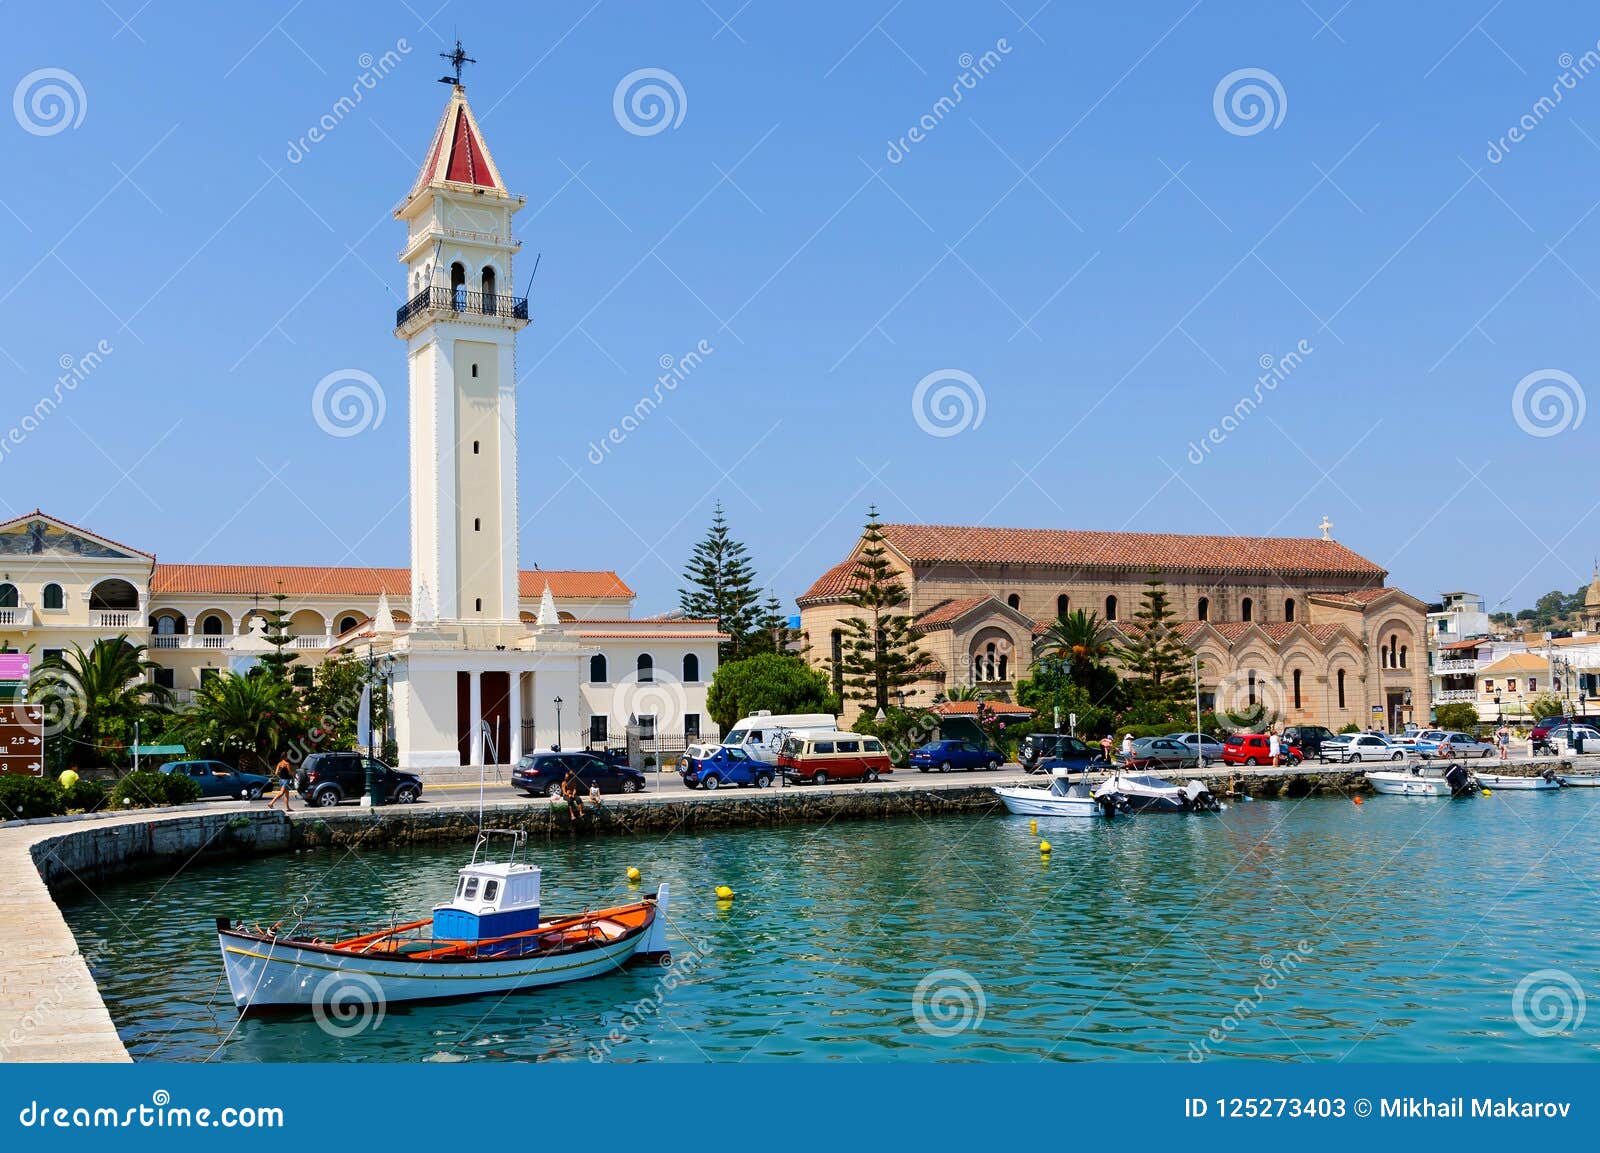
<point>22,740</point>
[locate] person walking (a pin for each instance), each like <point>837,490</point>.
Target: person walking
<point>1105,748</point>
<point>285,775</point>
<point>1274,746</point>
<point>1127,746</point>
<point>1502,737</point>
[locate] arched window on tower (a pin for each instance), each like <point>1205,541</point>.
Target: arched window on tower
<point>458,287</point>
<point>1111,608</point>
<point>1203,609</point>
<point>1288,609</point>
<point>1247,609</point>
<point>490,300</point>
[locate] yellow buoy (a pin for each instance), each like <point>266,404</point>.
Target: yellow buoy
<point>68,779</point>
<point>1487,793</point>
<point>1033,827</point>
<point>633,875</point>
<point>724,893</point>
<point>1044,848</point>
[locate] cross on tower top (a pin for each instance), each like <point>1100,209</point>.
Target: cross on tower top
<point>457,59</point>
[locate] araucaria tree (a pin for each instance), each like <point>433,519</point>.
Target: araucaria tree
<point>721,585</point>
<point>277,635</point>
<point>879,656</point>
<point>1156,661</point>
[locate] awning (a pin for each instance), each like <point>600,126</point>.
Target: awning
<point>158,750</point>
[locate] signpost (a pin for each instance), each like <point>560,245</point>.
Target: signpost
<point>22,740</point>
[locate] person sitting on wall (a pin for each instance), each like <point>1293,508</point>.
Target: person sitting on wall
<point>572,792</point>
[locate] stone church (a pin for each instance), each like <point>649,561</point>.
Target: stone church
<point>1304,626</point>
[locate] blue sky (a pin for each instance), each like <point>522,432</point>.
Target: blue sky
<point>1104,255</point>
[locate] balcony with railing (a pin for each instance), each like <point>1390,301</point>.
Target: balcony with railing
<point>461,302</point>
<point>1456,696</point>
<point>1455,667</point>
<point>114,618</point>
<point>16,618</point>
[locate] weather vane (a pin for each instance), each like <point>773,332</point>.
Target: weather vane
<point>457,59</point>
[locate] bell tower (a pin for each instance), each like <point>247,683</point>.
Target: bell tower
<point>460,324</point>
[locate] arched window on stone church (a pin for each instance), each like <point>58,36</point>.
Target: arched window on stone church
<point>1296,686</point>
<point>1111,608</point>
<point>1203,609</point>
<point>1288,609</point>
<point>1340,679</point>
<point>1247,609</point>
<point>1061,605</point>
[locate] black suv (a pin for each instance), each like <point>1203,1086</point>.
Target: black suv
<point>328,778</point>
<point>541,774</point>
<point>1307,738</point>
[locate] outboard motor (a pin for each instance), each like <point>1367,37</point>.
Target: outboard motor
<point>1200,798</point>
<point>1460,781</point>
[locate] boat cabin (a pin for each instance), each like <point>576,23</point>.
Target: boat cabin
<point>491,900</point>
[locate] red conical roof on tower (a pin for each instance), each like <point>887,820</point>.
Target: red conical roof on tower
<point>458,154</point>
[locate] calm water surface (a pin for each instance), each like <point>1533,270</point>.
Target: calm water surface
<point>1307,930</point>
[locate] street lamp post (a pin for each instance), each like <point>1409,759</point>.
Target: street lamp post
<point>556,747</point>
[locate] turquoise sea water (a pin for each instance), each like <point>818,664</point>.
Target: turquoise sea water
<point>1398,930</point>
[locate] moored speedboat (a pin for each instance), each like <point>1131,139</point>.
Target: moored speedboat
<point>1579,780</point>
<point>1440,779</point>
<point>491,937</point>
<point>1148,793</point>
<point>1541,782</point>
<point>1061,799</point>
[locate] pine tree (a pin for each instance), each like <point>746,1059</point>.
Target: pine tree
<point>880,654</point>
<point>1156,660</point>
<point>722,586</point>
<point>276,633</point>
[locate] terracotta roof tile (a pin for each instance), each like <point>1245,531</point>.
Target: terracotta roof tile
<point>1075,548</point>
<point>970,709</point>
<point>313,580</point>
<point>1467,644</point>
<point>835,582</point>
<point>943,614</point>
<point>1515,663</point>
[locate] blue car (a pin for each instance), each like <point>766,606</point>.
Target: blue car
<point>1067,753</point>
<point>948,755</point>
<point>712,766</point>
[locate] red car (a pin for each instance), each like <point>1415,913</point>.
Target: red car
<point>820,757</point>
<point>1256,749</point>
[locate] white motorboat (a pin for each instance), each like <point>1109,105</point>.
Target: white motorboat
<point>491,937</point>
<point>1424,780</point>
<point>1061,799</point>
<point>1542,782</point>
<point>1580,780</point>
<point>1148,793</point>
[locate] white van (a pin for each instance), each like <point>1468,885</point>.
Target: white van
<point>760,735</point>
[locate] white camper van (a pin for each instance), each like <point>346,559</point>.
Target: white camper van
<point>761,734</point>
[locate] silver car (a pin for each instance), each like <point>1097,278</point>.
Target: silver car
<point>1461,745</point>
<point>1352,747</point>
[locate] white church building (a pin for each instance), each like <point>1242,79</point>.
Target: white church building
<point>486,660</point>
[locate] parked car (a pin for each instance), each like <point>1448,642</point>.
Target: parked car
<point>1307,738</point>
<point>761,734</point>
<point>1460,745</point>
<point>1413,737</point>
<point>1256,749</point>
<point>328,778</point>
<point>1586,737</point>
<point>947,755</point>
<point>1541,731</point>
<point>219,780</point>
<point>1039,747</point>
<point>541,774</point>
<point>712,766</point>
<point>1161,753</point>
<point>823,756</point>
<point>1205,744</point>
<point>1349,748</point>
<point>1061,752</point>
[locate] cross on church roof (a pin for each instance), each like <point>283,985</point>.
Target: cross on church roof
<point>457,59</point>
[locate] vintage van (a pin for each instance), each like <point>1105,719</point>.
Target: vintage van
<point>823,755</point>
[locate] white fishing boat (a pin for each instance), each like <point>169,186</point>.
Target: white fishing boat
<point>1579,780</point>
<point>1424,780</point>
<point>490,937</point>
<point>1541,782</point>
<point>1061,798</point>
<point>1148,793</point>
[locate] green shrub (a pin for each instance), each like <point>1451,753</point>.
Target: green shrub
<point>146,789</point>
<point>1352,727</point>
<point>25,797</point>
<point>83,796</point>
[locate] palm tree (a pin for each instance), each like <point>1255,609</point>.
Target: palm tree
<point>241,719</point>
<point>960,693</point>
<point>1078,638</point>
<point>99,696</point>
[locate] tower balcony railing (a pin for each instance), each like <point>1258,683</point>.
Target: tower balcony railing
<point>462,300</point>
